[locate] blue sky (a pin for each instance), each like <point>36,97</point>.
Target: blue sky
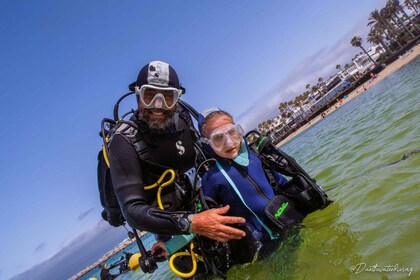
<point>65,63</point>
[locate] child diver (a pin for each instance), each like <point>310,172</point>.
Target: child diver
<point>239,179</point>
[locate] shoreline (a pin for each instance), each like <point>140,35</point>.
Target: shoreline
<point>120,247</point>
<point>389,69</point>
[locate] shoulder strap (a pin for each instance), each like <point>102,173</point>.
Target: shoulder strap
<point>130,131</point>
<point>270,177</point>
<point>134,135</point>
<point>268,173</point>
<point>183,114</point>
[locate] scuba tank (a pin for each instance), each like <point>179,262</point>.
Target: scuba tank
<point>297,198</point>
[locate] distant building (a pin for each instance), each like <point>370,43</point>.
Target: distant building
<point>361,63</point>
<point>327,91</point>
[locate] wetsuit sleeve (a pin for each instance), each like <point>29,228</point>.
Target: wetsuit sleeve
<point>127,178</point>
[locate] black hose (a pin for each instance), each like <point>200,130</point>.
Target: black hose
<point>189,108</point>
<point>195,182</point>
<point>103,133</point>
<point>116,106</point>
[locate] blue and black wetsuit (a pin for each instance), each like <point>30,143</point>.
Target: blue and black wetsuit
<point>254,190</point>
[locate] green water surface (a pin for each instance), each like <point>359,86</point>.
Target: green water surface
<point>373,226</point>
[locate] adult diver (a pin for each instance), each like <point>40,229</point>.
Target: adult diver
<point>159,138</point>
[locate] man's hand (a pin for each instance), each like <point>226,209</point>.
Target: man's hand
<point>212,224</point>
<point>159,249</point>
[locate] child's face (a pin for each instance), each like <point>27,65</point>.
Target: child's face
<point>222,130</point>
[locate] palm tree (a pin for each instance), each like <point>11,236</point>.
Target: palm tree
<point>357,42</point>
<point>320,81</point>
<point>412,5</point>
<point>269,122</point>
<point>298,103</point>
<point>387,15</point>
<point>375,38</point>
<point>282,106</point>
<point>338,67</point>
<point>394,7</point>
<point>261,127</point>
<point>283,115</point>
<point>396,4</point>
<point>379,22</point>
<point>305,95</point>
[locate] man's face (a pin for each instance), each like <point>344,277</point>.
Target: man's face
<point>156,118</point>
<point>157,104</point>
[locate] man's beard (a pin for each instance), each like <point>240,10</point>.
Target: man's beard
<point>158,124</point>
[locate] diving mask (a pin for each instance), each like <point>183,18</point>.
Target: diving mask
<point>153,97</point>
<point>226,135</point>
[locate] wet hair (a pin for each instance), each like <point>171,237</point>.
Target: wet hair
<point>210,117</point>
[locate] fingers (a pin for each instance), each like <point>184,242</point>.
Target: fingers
<point>221,237</point>
<point>230,233</point>
<point>234,233</point>
<point>212,224</point>
<point>231,220</point>
<point>221,233</point>
<point>221,210</point>
<point>159,249</point>
<point>227,219</point>
<point>154,248</point>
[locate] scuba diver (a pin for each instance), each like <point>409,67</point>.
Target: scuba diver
<point>105,274</point>
<point>270,204</point>
<point>151,158</point>
<point>124,265</point>
<point>239,180</point>
<point>155,159</point>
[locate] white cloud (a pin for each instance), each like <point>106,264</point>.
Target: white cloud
<point>84,214</point>
<point>40,247</point>
<point>321,64</point>
<point>79,253</point>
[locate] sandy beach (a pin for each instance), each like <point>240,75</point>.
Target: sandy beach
<point>359,90</point>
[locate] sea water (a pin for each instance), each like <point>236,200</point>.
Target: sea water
<point>372,230</point>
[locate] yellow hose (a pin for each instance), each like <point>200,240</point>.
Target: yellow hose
<point>105,153</point>
<point>194,258</point>
<point>134,263</point>
<point>159,181</point>
<point>161,186</point>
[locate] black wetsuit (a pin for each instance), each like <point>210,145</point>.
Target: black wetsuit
<point>106,275</point>
<point>130,174</point>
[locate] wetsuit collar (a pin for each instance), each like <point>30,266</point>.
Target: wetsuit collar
<point>242,158</point>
